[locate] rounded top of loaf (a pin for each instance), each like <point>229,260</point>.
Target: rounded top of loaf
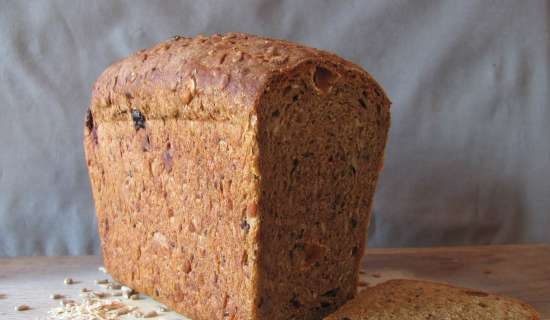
<point>234,68</point>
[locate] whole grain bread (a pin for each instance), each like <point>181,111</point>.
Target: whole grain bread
<point>420,300</point>
<point>233,175</point>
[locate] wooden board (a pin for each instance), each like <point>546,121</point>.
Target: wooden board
<point>518,271</point>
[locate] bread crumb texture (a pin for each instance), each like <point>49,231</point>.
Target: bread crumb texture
<point>233,175</point>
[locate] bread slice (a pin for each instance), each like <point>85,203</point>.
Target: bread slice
<point>423,300</point>
<point>233,175</point>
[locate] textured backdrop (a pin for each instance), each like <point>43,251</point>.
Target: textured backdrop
<point>468,159</point>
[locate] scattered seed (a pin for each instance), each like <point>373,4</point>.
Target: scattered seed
<point>376,275</point>
<point>162,309</point>
<point>126,289</point>
<point>134,296</point>
<point>68,281</point>
<point>56,296</point>
<point>22,307</point>
<point>66,302</point>
<point>84,290</point>
<point>123,311</point>
<point>137,314</point>
<point>101,281</point>
<point>99,294</point>
<point>114,286</point>
<point>102,269</point>
<point>127,292</point>
<point>150,314</point>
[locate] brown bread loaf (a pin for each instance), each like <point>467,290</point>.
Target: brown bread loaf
<point>233,175</point>
<point>421,300</point>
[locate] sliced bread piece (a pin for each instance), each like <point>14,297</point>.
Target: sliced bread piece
<point>416,300</point>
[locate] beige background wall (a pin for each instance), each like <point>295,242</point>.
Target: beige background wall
<point>468,159</point>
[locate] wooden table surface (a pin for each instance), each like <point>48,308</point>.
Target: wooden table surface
<point>521,271</point>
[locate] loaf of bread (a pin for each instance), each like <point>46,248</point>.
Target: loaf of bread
<point>233,175</point>
<point>421,300</point>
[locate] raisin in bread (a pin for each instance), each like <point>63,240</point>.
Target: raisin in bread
<point>421,300</point>
<point>233,175</point>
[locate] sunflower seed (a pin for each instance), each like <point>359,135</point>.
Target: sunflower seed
<point>56,296</point>
<point>134,296</point>
<point>150,314</point>
<point>22,307</point>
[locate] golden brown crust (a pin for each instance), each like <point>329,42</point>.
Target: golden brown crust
<point>233,67</point>
<point>191,147</point>
<point>414,299</point>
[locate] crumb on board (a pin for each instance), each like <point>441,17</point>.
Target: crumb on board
<point>56,296</point>
<point>22,307</point>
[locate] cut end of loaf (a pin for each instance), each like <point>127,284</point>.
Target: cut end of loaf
<point>322,129</point>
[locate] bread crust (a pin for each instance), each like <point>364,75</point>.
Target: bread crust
<point>234,68</point>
